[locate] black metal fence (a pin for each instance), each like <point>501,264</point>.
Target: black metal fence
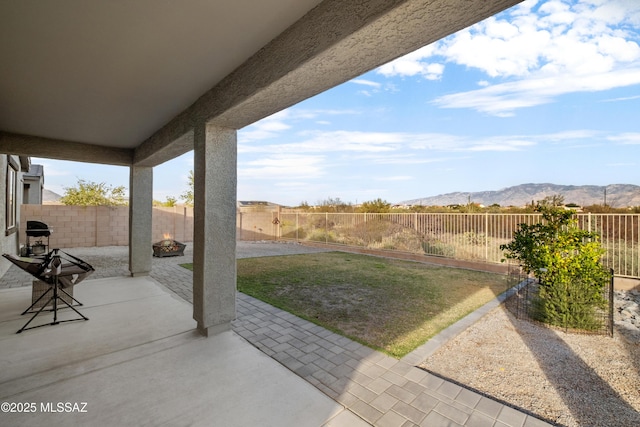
<point>524,303</point>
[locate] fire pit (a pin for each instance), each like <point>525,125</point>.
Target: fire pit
<point>168,247</point>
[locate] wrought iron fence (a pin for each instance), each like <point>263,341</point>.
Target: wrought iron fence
<point>468,236</point>
<point>524,303</point>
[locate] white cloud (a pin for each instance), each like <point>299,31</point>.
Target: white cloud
<point>618,165</point>
<point>316,151</point>
<point>268,127</point>
<point>366,83</point>
<point>323,141</point>
<point>276,124</point>
<point>626,98</point>
<point>401,158</point>
<point>414,64</point>
<point>536,52</point>
<point>281,166</point>
<point>629,138</point>
<point>504,98</point>
<point>394,178</point>
<point>389,147</point>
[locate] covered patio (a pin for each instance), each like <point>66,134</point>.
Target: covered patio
<point>137,84</point>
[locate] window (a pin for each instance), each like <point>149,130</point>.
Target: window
<point>12,202</point>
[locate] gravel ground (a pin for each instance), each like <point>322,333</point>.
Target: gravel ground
<point>568,379</point>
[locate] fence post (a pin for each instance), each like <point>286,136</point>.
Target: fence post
<point>589,221</point>
<point>486,236</point>
<point>611,303</point>
<point>297,227</point>
<point>326,227</point>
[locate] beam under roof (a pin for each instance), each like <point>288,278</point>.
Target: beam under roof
<point>33,146</point>
<point>334,42</point>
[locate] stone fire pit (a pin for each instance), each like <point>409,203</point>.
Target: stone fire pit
<point>168,247</point>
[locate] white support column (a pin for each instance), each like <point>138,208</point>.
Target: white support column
<point>214,241</point>
<point>140,222</point>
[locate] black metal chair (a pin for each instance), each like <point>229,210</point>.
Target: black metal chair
<point>59,273</point>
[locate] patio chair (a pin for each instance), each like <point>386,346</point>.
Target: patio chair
<point>59,272</point>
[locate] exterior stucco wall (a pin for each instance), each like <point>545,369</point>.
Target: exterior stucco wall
<point>8,241</point>
<point>33,194</point>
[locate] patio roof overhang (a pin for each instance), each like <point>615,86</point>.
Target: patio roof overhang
<point>125,83</point>
<point>138,83</point>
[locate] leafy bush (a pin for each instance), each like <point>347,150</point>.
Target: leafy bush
<point>89,193</point>
<point>320,235</point>
<point>566,261</point>
<point>436,247</point>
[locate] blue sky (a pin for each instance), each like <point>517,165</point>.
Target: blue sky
<point>547,91</point>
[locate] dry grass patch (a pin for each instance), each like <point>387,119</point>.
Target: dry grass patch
<point>387,304</point>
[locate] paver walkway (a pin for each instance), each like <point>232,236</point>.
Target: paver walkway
<point>379,389</point>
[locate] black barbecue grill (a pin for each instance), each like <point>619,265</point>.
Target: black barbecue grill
<point>37,229</point>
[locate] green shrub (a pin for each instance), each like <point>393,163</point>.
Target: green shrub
<point>436,247</point>
<point>320,235</point>
<point>566,261</point>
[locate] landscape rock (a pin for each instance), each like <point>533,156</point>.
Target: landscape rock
<point>626,314</point>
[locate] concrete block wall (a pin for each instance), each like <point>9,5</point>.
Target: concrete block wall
<point>89,226</point>
<point>177,222</point>
<point>79,226</point>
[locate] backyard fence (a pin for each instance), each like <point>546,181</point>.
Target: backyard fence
<point>474,237</point>
<point>525,304</point>
<point>87,226</point>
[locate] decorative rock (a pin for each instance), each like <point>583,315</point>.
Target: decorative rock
<point>626,314</point>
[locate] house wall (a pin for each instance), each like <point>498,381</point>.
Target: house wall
<point>8,240</point>
<point>32,190</point>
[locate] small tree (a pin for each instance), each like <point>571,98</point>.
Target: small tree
<point>566,261</point>
<point>304,206</point>
<point>169,202</point>
<point>187,196</point>
<point>333,205</point>
<point>375,206</point>
<point>552,201</point>
<point>89,193</point>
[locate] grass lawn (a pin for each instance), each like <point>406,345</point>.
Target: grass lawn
<point>387,304</point>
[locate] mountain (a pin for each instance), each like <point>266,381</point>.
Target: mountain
<point>49,196</point>
<point>618,195</point>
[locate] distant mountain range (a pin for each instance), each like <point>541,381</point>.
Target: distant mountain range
<point>49,196</point>
<point>618,195</point>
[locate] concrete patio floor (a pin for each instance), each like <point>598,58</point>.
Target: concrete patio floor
<point>139,361</point>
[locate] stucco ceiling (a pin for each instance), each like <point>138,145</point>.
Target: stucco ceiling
<point>113,72</point>
<point>126,82</point>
